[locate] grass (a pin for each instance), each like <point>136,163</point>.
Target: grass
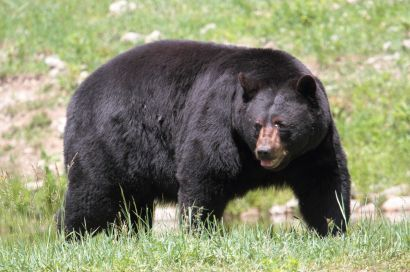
<point>372,246</point>
<point>29,242</point>
<point>357,49</point>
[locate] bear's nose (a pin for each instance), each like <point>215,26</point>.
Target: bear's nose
<point>264,152</point>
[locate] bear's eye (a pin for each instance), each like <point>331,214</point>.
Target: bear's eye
<point>278,124</point>
<point>258,127</point>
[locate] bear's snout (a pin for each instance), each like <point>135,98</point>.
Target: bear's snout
<point>264,153</point>
<point>269,149</point>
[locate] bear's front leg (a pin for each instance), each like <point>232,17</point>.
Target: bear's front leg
<point>322,198</point>
<point>203,173</point>
<point>201,201</point>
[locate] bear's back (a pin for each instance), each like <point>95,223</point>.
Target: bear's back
<point>132,107</point>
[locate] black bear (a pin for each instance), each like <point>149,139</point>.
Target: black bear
<point>200,124</point>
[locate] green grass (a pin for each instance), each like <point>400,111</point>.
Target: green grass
<point>370,101</point>
<point>375,246</point>
<point>29,242</point>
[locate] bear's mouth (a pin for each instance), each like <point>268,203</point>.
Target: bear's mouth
<point>270,164</point>
<point>273,161</point>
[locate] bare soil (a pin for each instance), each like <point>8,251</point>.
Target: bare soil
<point>22,98</point>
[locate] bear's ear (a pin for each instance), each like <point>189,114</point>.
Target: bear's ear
<point>249,85</point>
<point>306,85</point>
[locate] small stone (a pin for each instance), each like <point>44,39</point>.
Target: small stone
<point>61,125</point>
<point>277,209</point>
<point>406,43</point>
<point>395,191</point>
<point>132,6</point>
<point>367,208</point>
<point>82,76</point>
<point>54,72</point>
<point>334,37</point>
<point>281,218</point>
<point>398,203</point>
<point>367,211</point>
<point>120,7</point>
<point>165,214</point>
<point>54,62</point>
<point>372,60</point>
<point>397,216</point>
<point>291,205</point>
<point>395,56</point>
<point>251,215</point>
<point>131,37</point>
<point>387,45</point>
<point>153,36</point>
<point>207,27</point>
<point>165,219</point>
<point>22,96</point>
<point>335,6</point>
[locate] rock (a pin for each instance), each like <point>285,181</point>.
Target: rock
<point>131,37</point>
<point>396,204</point>
<point>165,219</point>
<point>35,185</point>
<point>277,209</point>
<point>54,72</point>
<point>54,62</point>
<point>368,208</point>
<point>387,45</point>
<point>281,218</point>
<point>61,125</point>
<point>397,216</point>
<point>367,211</point>
<point>335,6</point>
<point>82,76</point>
<point>334,37</point>
<point>207,27</point>
<point>251,215</point>
<point>354,205</point>
<point>165,214</point>
<point>120,7</point>
<point>153,36</point>
<point>406,43</point>
<point>291,205</point>
<point>395,191</point>
<point>288,208</point>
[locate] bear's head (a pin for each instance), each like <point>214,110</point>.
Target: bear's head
<point>281,122</point>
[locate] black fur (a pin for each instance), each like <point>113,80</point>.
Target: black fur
<point>171,121</point>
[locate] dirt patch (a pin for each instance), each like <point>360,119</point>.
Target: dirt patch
<point>23,137</point>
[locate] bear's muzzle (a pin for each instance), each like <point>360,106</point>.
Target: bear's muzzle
<point>269,149</point>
